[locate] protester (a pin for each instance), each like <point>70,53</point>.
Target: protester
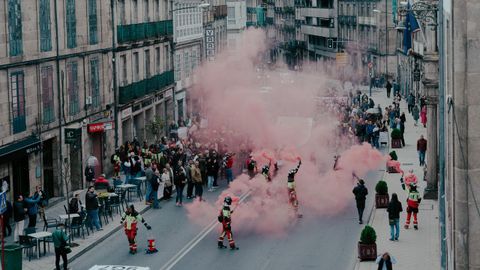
<point>422,149</point>
<point>155,184</point>
<point>361,193</point>
<point>394,208</point>
<point>197,180</point>
<point>167,191</point>
<point>385,261</point>
<point>180,180</point>
<point>389,88</point>
<point>148,184</point>
<point>19,211</point>
<point>101,183</point>
<point>190,184</point>
<point>91,204</point>
<point>75,205</point>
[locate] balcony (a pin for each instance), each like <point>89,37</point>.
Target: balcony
<point>367,21</point>
<point>352,20</point>
<point>318,12</point>
<point>144,87</point>
<point>319,31</point>
<point>142,31</point>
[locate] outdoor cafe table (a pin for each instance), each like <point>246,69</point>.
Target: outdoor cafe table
<point>127,186</point>
<point>65,217</point>
<point>143,181</point>
<point>39,236</point>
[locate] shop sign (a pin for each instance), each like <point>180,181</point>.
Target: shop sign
<point>72,135</point>
<point>127,112</point>
<point>33,149</point>
<point>99,127</point>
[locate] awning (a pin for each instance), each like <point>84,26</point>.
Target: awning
<point>27,146</point>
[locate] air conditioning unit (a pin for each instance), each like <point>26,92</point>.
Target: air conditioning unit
<point>88,101</point>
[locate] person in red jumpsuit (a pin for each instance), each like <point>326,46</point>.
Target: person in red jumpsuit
<point>130,220</point>
<point>292,193</point>
<point>226,220</point>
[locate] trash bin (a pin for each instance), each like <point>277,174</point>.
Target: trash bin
<point>13,257</point>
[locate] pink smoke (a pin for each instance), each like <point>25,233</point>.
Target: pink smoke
<point>234,96</point>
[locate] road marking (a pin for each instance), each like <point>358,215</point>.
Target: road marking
<point>192,243</point>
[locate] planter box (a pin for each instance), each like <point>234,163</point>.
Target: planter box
<point>396,143</point>
<point>367,252</point>
<point>381,201</point>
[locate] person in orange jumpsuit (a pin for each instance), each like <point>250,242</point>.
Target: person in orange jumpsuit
<point>130,219</point>
<point>413,201</point>
<point>225,217</point>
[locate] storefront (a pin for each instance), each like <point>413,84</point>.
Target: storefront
<point>16,163</point>
<point>97,134</point>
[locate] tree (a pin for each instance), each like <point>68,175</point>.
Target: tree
<point>155,127</point>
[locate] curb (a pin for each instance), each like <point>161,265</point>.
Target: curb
<point>98,241</point>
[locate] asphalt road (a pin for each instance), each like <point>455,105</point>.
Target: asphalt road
<point>312,243</point>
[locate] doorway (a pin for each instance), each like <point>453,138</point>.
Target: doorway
<point>21,181</point>
<point>48,176</point>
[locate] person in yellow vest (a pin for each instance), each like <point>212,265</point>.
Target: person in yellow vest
<point>130,219</point>
<point>413,201</point>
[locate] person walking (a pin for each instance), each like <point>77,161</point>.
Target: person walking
<point>410,102</point>
<point>19,211</point>
<point>385,261</point>
<point>361,193</point>
<point>60,239</point>
<point>91,205</point>
<point>7,229</point>
<point>197,180</point>
<point>130,219</point>
<point>43,200</point>
<point>423,116</point>
<point>421,149</point>
<point>190,184</point>
<point>180,180</point>
<point>413,201</point>
<point>415,114</point>
<point>155,184</point>
<point>394,208</point>
<point>389,88</point>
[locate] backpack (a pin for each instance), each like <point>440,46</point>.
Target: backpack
<point>220,218</point>
<point>251,165</point>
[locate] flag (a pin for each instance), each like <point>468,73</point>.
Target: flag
<point>411,26</point>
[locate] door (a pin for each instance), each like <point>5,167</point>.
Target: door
<point>48,181</point>
<point>97,143</point>
<point>21,182</point>
<point>76,175</point>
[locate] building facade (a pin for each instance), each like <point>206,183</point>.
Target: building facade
<point>236,23</point>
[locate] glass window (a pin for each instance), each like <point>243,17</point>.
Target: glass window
<point>18,102</point>
<point>45,26</point>
<point>147,63</point>
<point>95,82</point>
<point>121,4</point>
<point>72,88</point>
<point>71,25</point>
<point>146,8</point>
<point>136,67</point>
<point>92,22</point>
<point>124,78</point>
<point>157,60</point>
<point>47,94</point>
<point>15,27</point>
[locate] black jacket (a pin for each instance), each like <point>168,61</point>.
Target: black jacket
<point>91,201</point>
<point>19,211</point>
<point>360,192</point>
<point>394,209</point>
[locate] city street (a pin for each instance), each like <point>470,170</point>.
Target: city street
<point>310,243</point>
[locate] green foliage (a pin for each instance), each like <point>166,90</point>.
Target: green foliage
<point>155,127</point>
<point>396,134</point>
<point>393,155</point>
<point>381,188</point>
<point>368,235</point>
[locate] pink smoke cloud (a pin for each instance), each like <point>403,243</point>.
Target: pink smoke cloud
<point>283,121</point>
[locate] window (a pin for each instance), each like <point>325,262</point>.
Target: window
<point>147,63</point>
<point>186,64</point>
<point>47,94</point>
<point>71,25</point>
<point>157,60</point>
<point>146,8</point>
<point>17,88</point>
<point>136,67</point>
<point>135,11</point>
<point>178,72</point>
<point>167,63</point>
<point>157,10</point>
<point>72,88</point>
<point>45,26</point>
<point>15,27</point>
<point>92,22</point>
<point>194,59</point>
<point>122,12</point>
<point>95,82</point>
<point>123,62</point>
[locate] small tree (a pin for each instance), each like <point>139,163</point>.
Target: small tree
<point>155,127</point>
<point>393,155</point>
<point>396,134</point>
<point>368,236</point>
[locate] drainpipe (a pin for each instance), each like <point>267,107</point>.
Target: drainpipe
<point>59,96</point>
<point>441,138</point>
<point>114,74</point>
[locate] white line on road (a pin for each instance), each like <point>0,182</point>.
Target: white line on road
<point>192,243</point>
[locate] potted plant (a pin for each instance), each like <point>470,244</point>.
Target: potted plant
<point>381,196</point>
<point>367,247</point>
<point>396,136</point>
<point>393,155</point>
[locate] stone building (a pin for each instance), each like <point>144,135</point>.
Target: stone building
<point>55,82</point>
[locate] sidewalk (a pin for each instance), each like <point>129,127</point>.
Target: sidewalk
<point>415,249</point>
<point>90,241</point>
